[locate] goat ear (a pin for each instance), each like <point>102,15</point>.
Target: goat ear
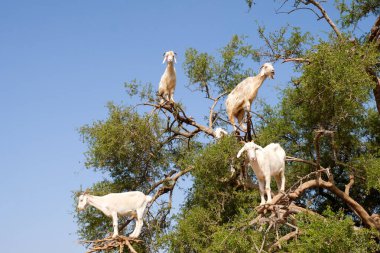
<point>164,60</point>
<point>240,151</point>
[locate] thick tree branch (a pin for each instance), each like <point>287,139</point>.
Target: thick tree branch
<point>349,185</point>
<point>181,117</point>
<point>355,206</point>
<point>298,60</point>
<point>374,35</point>
<point>285,238</point>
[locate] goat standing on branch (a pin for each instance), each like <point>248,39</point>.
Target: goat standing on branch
<point>266,162</point>
<point>131,204</point>
<point>168,79</point>
<point>240,98</point>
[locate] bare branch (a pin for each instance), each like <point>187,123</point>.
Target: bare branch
<point>318,5</point>
<point>374,35</point>
<point>285,238</point>
<point>299,60</point>
<point>181,117</point>
<point>355,206</point>
<point>327,18</point>
<point>267,42</point>
<point>211,121</point>
<point>300,8</point>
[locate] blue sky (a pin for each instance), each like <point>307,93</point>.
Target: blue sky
<point>62,61</point>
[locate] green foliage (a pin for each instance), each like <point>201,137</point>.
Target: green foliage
<point>223,72</point>
<point>144,91</point>
<point>332,233</point>
<point>332,95</point>
<point>127,146</point>
<point>286,42</point>
<point>332,92</point>
<point>370,165</point>
<point>198,67</point>
<point>216,208</point>
<point>356,10</point>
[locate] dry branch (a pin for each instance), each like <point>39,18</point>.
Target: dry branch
<point>355,206</point>
<point>285,238</point>
<point>110,243</point>
<point>180,116</point>
<point>299,60</point>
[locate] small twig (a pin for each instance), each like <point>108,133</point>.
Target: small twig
<point>210,123</point>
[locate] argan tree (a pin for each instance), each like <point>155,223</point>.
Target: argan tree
<point>327,120</point>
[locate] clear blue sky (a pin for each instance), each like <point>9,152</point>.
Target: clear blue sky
<point>62,61</point>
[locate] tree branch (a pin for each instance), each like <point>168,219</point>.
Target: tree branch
<point>285,238</point>
<point>211,120</point>
<point>326,17</point>
<point>299,60</point>
<point>374,35</point>
<point>355,206</point>
<point>349,185</point>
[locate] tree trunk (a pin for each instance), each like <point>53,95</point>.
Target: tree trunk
<point>374,36</point>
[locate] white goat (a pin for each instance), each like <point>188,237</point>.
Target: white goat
<point>168,79</point>
<point>220,132</point>
<point>131,204</point>
<point>241,97</point>
<point>266,162</point>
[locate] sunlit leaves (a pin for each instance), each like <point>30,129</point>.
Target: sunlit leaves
<point>127,146</point>
<point>332,233</point>
<point>222,72</point>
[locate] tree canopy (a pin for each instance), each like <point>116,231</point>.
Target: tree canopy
<point>327,120</point>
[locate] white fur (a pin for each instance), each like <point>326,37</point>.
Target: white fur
<point>220,132</point>
<point>241,97</point>
<point>168,79</point>
<point>131,204</point>
<point>266,162</point>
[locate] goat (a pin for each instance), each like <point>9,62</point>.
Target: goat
<point>220,132</point>
<point>168,79</point>
<point>241,97</point>
<point>131,204</point>
<point>266,162</point>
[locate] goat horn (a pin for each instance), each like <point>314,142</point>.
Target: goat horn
<point>164,54</point>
